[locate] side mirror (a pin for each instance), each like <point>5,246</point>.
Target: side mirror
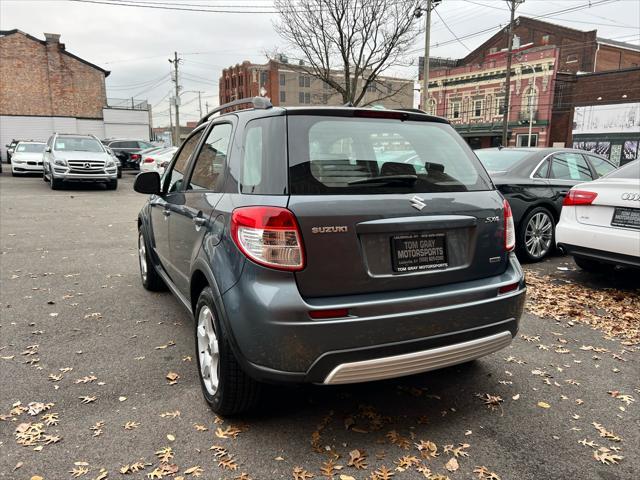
<point>147,182</point>
<point>47,149</point>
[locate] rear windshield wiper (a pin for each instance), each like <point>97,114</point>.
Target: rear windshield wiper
<point>387,180</point>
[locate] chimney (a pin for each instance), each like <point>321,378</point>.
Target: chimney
<point>53,39</point>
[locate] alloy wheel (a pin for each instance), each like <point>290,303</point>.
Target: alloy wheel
<point>538,235</point>
<point>142,256</point>
<point>208,350</point>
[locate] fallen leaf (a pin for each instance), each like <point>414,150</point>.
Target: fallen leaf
<point>544,405</point>
<point>452,465</point>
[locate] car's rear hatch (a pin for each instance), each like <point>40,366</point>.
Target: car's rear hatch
<point>389,203</point>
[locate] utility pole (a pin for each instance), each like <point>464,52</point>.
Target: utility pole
<point>513,4</point>
<point>200,103</point>
<point>170,120</point>
<point>206,106</point>
<point>431,4</point>
<point>176,62</point>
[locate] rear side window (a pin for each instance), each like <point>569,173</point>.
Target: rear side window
<point>334,155</point>
<point>542,171</point>
<point>570,166</point>
<point>264,157</point>
<point>601,166</point>
<point>209,166</point>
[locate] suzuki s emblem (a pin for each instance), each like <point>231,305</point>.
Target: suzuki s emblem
<point>87,165</point>
<point>417,202</point>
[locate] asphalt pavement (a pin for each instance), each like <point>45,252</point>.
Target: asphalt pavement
<point>81,338</point>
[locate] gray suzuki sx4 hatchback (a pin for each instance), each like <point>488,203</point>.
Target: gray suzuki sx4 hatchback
<point>329,245</point>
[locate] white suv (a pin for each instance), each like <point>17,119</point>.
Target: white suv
<point>78,158</point>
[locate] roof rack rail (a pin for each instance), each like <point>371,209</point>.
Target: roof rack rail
<point>257,102</point>
<point>412,110</point>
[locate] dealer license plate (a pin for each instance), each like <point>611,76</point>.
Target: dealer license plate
<point>416,252</point>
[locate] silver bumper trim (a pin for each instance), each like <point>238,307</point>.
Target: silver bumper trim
<point>417,362</point>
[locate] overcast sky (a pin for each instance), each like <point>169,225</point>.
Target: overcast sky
<point>135,43</point>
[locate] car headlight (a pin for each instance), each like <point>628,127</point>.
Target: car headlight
<point>60,161</point>
<point>110,163</point>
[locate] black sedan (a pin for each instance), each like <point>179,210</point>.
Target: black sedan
<point>535,182</point>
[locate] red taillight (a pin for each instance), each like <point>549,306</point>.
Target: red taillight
<point>269,236</point>
<point>508,288</point>
<point>509,229</point>
<point>579,197</point>
<point>149,160</point>
<point>135,156</point>
<point>330,313</point>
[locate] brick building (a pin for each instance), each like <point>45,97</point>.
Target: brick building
<point>44,88</point>
<point>288,84</point>
<point>472,98</point>
<point>599,112</point>
<point>470,91</point>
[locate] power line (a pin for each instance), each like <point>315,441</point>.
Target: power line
<point>451,31</point>
<point>175,7</point>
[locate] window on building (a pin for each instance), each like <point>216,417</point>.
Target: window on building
<point>389,88</point>
<point>233,82</point>
<point>431,107</point>
<point>283,96</point>
<point>529,101</point>
<point>572,58</point>
<point>304,81</point>
<point>307,97</point>
<point>240,82</point>
<point>499,106</point>
<point>522,140</point>
<point>325,98</point>
<point>283,80</point>
<point>301,97</point>
<point>371,87</point>
<point>478,107</point>
<point>263,78</point>
<point>545,39</point>
<point>455,110</point>
<point>493,50</point>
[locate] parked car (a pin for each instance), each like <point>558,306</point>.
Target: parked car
<point>157,161</point>
<point>535,182</point>
<point>78,158</point>
<point>115,159</point>
<point>128,151</point>
<point>306,261</point>
<point>600,221</point>
<point>10,148</point>
<point>27,158</point>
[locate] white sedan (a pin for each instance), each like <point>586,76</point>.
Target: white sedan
<point>600,220</point>
<point>158,160</point>
<point>27,158</point>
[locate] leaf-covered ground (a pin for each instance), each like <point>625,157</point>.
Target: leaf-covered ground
<point>98,379</point>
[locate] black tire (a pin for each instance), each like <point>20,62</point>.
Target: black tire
<point>529,254</point>
<point>55,183</point>
<point>119,173</point>
<point>236,392</point>
<point>14,174</point>
<point>151,281</point>
<point>590,265</point>
<point>112,185</point>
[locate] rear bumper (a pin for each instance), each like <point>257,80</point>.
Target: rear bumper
<point>619,242</point>
<point>601,255</point>
<point>398,333</point>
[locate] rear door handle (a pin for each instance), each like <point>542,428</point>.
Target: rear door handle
<point>166,212</point>
<point>199,221</point>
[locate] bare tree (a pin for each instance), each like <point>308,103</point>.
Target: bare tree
<point>348,44</point>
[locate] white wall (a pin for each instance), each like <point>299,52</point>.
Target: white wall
<point>117,123</point>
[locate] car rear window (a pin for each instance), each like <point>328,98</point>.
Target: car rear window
<point>500,160</point>
<point>338,155</point>
<point>630,170</point>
